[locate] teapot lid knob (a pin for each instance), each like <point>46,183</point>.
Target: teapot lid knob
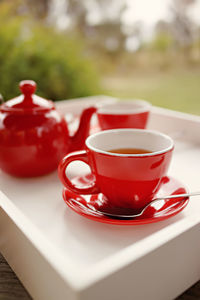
<point>27,87</point>
<point>28,100</point>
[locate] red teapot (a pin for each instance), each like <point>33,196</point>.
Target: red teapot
<point>34,136</point>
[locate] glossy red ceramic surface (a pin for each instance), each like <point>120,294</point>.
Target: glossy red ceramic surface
<point>34,136</point>
<point>157,212</point>
<point>127,181</point>
<point>112,121</point>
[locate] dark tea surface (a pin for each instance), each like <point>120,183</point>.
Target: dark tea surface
<point>129,151</point>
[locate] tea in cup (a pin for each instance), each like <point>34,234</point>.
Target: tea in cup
<point>124,114</point>
<point>128,165</point>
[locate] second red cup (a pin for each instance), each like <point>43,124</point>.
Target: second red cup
<point>124,114</point>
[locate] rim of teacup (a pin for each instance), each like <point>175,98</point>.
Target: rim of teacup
<point>141,131</point>
<point>125,107</point>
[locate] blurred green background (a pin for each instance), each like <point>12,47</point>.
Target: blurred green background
<point>75,48</point>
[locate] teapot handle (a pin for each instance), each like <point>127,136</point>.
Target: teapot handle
<point>73,156</point>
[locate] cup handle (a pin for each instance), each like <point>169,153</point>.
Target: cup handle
<point>77,155</point>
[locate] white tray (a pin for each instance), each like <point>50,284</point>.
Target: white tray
<point>58,254</point>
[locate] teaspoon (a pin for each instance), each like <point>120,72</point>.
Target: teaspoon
<point>95,212</point>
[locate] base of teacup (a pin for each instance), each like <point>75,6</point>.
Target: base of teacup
<point>116,205</point>
<point>108,207</point>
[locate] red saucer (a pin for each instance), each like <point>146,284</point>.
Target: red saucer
<point>158,211</point>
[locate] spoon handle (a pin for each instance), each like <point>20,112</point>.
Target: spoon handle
<point>168,198</point>
<point>177,196</point>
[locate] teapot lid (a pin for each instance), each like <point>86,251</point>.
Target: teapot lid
<point>27,102</point>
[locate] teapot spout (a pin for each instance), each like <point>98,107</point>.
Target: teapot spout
<point>78,139</point>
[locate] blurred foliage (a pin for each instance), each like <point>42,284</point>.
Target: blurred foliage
<point>56,61</point>
<point>162,42</point>
<point>34,46</point>
<point>175,89</point>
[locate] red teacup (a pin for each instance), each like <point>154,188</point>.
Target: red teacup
<point>127,180</point>
<point>124,114</point>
